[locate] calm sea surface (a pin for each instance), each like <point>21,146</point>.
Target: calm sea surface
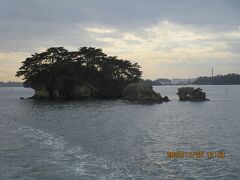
<point>117,140</point>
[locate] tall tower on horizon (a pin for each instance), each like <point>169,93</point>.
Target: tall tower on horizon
<point>212,72</point>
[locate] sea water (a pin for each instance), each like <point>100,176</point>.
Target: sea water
<point>114,139</point>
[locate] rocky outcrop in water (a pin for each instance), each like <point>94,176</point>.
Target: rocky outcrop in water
<point>191,94</point>
<point>142,92</point>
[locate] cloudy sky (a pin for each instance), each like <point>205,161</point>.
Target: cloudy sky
<point>168,38</point>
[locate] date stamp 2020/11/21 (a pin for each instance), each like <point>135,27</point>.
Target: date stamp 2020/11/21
<point>196,154</point>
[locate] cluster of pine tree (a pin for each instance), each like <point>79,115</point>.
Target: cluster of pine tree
<point>58,67</point>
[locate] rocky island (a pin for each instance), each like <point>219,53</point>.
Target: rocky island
<point>86,73</point>
<point>191,94</point>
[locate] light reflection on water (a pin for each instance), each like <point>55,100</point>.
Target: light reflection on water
<point>118,140</point>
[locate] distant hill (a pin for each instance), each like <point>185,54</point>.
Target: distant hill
<point>152,83</point>
<point>229,79</point>
<point>163,81</point>
<point>11,84</point>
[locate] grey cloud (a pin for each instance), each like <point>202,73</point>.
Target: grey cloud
<point>234,47</point>
<point>28,24</point>
<point>123,12</point>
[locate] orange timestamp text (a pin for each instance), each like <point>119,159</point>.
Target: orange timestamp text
<point>195,155</point>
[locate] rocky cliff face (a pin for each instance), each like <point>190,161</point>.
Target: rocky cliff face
<point>138,92</point>
<point>85,90</point>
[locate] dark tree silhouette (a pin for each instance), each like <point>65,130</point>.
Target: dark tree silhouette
<point>63,69</point>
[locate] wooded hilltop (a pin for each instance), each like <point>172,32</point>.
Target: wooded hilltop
<point>87,72</point>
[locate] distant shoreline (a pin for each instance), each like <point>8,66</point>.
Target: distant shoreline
<point>198,85</point>
<point>21,85</point>
<point>160,85</point>
<point>11,84</point>
<point>228,79</point>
